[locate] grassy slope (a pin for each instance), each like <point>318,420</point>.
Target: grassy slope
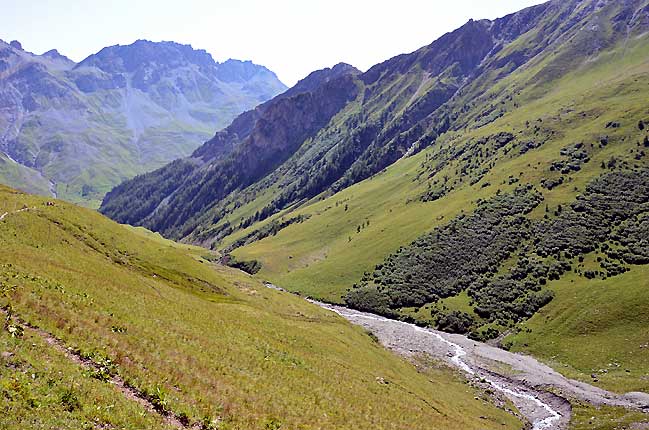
<point>19,176</point>
<point>587,417</point>
<point>109,155</point>
<point>593,326</point>
<point>212,341</point>
<point>316,257</point>
<point>41,389</point>
<point>590,323</point>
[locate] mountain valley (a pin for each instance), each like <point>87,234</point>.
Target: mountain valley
<point>454,238</point>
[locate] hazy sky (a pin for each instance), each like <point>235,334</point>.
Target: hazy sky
<point>291,37</point>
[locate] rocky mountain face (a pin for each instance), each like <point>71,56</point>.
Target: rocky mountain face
<point>77,130</point>
<point>339,126</point>
<point>254,145</point>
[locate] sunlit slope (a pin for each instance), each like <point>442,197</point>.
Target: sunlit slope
<point>41,389</point>
<point>14,174</point>
<point>204,342</point>
<point>595,330</point>
<point>326,254</point>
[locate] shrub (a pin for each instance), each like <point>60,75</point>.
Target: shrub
<point>484,335</point>
<point>69,400</point>
<point>372,336</point>
<point>157,399</point>
<point>369,299</point>
<point>251,267</point>
<point>272,424</point>
<point>455,322</point>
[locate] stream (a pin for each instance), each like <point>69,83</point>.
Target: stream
<point>543,414</point>
<point>540,393</point>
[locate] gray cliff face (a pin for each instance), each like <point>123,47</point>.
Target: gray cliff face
<point>121,112</point>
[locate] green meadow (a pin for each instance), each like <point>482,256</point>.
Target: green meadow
<point>207,343</point>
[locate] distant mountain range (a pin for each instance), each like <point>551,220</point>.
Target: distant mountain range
<point>76,130</point>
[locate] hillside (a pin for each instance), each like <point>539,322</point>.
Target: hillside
<point>187,343</point>
<point>539,213</point>
<point>491,183</point>
<point>363,122</point>
<point>256,143</point>
<point>77,130</point>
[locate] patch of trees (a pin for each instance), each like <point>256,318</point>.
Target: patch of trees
<point>133,201</point>
<point>474,160</point>
<point>573,157</point>
<point>610,203</point>
<point>551,183</point>
<point>468,254</point>
<point>516,295</point>
<point>633,236</point>
<point>449,259</point>
<point>524,147</point>
<point>370,299</point>
<point>485,334</point>
<point>455,322</point>
<point>435,193</point>
<point>250,266</point>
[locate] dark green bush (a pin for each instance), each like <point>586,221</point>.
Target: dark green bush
<point>455,322</point>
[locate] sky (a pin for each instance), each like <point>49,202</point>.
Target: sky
<point>290,37</point>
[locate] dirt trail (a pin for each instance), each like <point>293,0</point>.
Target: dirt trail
<point>521,378</point>
<point>2,216</point>
<point>126,390</point>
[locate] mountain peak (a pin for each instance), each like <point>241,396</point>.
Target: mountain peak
<point>128,58</point>
<point>143,104</point>
<point>233,70</point>
<point>315,79</point>
<point>343,68</point>
<point>55,55</point>
<point>16,45</point>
